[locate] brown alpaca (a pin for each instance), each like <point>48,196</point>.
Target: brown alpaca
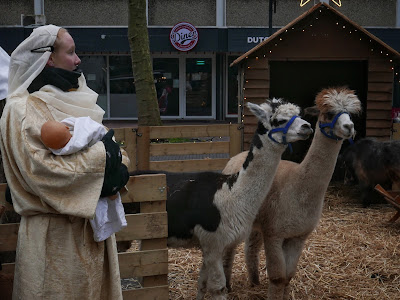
<point>293,206</point>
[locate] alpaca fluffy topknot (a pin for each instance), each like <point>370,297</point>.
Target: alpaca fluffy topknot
<point>337,100</point>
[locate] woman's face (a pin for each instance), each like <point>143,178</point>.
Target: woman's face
<point>64,55</point>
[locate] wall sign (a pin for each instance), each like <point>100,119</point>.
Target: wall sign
<point>256,39</point>
<point>184,36</point>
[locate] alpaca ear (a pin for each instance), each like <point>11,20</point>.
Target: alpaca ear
<point>262,112</point>
<point>311,111</point>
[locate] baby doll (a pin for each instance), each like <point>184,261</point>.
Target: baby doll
<point>110,216</point>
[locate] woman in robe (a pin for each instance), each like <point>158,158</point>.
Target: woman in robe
<point>57,257</point>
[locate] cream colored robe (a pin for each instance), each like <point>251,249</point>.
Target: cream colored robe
<point>57,257</point>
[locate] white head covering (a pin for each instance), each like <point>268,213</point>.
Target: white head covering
<point>4,63</point>
<point>26,65</point>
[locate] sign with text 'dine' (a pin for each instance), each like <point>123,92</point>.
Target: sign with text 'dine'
<point>184,36</point>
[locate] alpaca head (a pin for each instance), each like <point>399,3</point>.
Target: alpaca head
<point>335,106</point>
<point>281,120</point>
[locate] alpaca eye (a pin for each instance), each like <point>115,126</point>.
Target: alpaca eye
<point>276,123</point>
<point>329,115</point>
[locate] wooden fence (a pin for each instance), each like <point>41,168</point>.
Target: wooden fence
<point>199,148</point>
<point>150,147</point>
<point>149,263</point>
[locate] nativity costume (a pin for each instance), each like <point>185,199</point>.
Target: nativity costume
<point>57,257</point>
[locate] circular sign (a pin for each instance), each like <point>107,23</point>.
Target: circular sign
<point>184,36</point>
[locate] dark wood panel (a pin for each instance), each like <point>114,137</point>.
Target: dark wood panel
<point>256,74</point>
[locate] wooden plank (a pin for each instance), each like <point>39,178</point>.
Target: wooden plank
<point>8,269</point>
<point>143,188</point>
<point>130,147</point>
<point>153,206</point>
<point>250,129</point>
<point>147,293</point>
<point>380,87</point>
<point>126,137</point>
<point>155,280</point>
<point>379,123</point>
<point>235,139</point>
<point>143,148</point>
<point>256,83</point>
<point>371,132</point>
<point>8,236</point>
<point>188,131</point>
<point>380,77</point>
<point>188,148</point>
<point>143,263</point>
<point>379,96</point>
<point>144,226</point>
<point>259,93</point>
<point>189,165</point>
<point>257,74</point>
<point>153,244</point>
<point>383,65</point>
<point>257,63</point>
<point>379,114</point>
<point>379,105</point>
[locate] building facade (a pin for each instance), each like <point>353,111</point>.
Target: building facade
<point>198,84</point>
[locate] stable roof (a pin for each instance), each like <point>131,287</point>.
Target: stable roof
<point>311,14</point>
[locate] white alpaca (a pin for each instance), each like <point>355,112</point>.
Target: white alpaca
<point>217,211</point>
<point>293,207</point>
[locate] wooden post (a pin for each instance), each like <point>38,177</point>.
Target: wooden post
<point>130,144</point>
<point>234,139</point>
<point>143,148</point>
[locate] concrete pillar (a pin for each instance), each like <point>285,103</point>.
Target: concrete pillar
<point>221,13</point>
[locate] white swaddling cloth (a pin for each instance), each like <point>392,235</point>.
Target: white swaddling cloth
<point>110,215</point>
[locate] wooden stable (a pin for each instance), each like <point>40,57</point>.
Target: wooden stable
<point>315,44</point>
<point>150,263</point>
<point>142,145</point>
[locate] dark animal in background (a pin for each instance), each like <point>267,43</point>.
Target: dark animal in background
<point>369,162</point>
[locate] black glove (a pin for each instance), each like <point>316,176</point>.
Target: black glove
<point>116,174</point>
<point>113,152</point>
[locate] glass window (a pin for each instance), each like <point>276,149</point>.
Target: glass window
<point>166,78</point>
<point>95,70</point>
<point>232,106</point>
<point>198,87</point>
<point>122,88</point>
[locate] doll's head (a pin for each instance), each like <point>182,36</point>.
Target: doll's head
<point>55,135</point>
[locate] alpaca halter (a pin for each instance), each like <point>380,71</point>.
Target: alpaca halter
<point>331,125</point>
<point>284,131</point>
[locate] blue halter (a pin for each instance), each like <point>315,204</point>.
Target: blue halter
<point>284,132</point>
<point>331,125</point>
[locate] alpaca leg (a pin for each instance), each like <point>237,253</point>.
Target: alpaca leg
<point>228,263</point>
<point>276,268</point>
<point>216,283</point>
<point>252,254</point>
<point>292,250</point>
<point>202,282</point>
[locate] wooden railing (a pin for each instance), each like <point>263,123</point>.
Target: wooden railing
<point>150,227</point>
<point>143,145</point>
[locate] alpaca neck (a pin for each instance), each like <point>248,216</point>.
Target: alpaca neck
<point>321,157</point>
<point>255,179</point>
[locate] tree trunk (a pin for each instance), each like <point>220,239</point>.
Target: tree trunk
<point>148,111</point>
